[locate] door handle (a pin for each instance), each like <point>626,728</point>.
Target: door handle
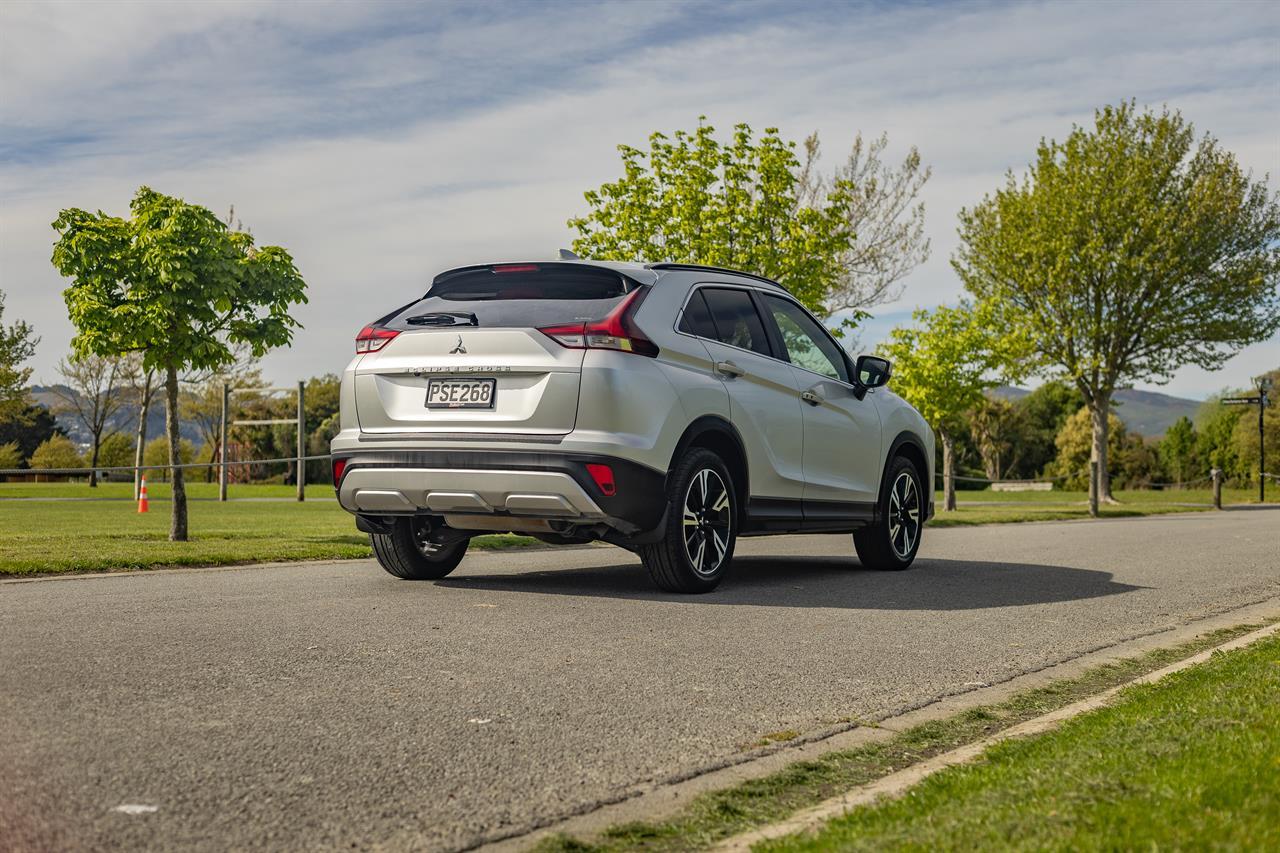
<point>812,397</point>
<point>728,368</point>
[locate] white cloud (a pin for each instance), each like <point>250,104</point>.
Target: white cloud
<point>312,124</point>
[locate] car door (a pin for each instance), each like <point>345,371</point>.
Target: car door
<point>764,401</point>
<point>842,434</point>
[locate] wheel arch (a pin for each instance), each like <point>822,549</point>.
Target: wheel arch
<point>718,435</point>
<point>911,447</point>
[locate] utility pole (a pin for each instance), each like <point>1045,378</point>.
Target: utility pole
<point>302,442</point>
<point>222,444</point>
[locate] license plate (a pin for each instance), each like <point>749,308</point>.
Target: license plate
<point>461,393</point>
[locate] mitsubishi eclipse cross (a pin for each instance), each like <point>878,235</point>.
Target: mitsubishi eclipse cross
<point>664,408</point>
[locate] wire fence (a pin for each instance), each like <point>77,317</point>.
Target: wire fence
<point>103,469</point>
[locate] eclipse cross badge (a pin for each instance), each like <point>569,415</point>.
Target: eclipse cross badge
<point>459,348</point>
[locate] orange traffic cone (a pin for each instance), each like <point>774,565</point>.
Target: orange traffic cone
<point>142,497</point>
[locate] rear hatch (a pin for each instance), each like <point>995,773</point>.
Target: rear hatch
<point>468,356</point>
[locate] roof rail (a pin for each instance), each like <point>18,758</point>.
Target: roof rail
<point>704,268</point>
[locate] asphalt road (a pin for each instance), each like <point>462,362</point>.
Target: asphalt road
<point>326,706</point>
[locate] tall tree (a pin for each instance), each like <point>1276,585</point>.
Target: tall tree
<point>93,392</point>
<point>1127,251</point>
<point>693,199</point>
<point>1177,451</point>
<point>28,428</point>
<point>995,426</point>
<point>943,365</point>
<point>17,344</point>
<point>883,214</point>
<point>175,284</point>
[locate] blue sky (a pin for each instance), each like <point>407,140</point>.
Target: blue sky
<point>383,142</point>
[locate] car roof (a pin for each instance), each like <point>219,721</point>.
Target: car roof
<point>641,273</point>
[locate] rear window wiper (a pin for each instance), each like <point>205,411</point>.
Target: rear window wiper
<point>444,318</point>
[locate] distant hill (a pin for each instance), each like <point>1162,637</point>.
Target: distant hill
<point>126,421</point>
<point>1148,413</point>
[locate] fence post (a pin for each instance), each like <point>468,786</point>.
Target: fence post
<point>222,446</point>
<point>1093,488</point>
<point>1216,474</point>
<point>302,442</point>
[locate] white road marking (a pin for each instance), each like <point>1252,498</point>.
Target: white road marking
<point>480,721</point>
<point>135,809</point>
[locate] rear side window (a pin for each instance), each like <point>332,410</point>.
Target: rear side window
<point>517,295</point>
<point>697,318</point>
<point>736,320</point>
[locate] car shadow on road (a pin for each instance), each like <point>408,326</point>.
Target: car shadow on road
<point>930,584</point>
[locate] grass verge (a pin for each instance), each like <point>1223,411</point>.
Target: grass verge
<point>717,815</point>
<point>987,507</point>
<point>89,536</point>
<point>1199,769</point>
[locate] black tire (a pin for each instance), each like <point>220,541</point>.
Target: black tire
<point>892,542</point>
<point>671,561</point>
<point>406,554</point>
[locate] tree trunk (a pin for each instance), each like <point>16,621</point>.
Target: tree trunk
<point>144,409</point>
<point>93,461</point>
<point>1099,411</point>
<point>948,472</point>
<point>178,521</point>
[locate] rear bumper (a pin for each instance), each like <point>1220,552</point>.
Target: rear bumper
<point>500,483</point>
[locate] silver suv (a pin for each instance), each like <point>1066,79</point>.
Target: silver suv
<point>664,408</point>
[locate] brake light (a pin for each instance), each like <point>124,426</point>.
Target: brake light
<point>617,331</point>
<point>504,268</point>
<point>339,468</point>
<point>372,339</point>
<point>603,475</point>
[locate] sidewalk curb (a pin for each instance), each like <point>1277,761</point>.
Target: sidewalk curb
<point>897,783</point>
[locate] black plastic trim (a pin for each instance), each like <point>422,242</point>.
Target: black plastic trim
<point>638,502</point>
<point>726,270</point>
<point>908,437</point>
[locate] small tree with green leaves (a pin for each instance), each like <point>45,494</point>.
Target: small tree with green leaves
<point>943,365</point>
<point>17,344</point>
<point>1127,251</point>
<point>174,283</point>
<point>1177,451</point>
<point>57,452</point>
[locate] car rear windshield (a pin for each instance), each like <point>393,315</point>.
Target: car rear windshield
<point>516,295</point>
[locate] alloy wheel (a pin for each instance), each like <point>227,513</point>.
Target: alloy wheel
<point>708,518</point>
<point>904,515</point>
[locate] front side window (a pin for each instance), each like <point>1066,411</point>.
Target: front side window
<point>736,320</point>
<point>807,345</point>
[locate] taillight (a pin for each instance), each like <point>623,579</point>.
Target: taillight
<point>372,339</point>
<point>617,331</point>
<point>508,268</point>
<point>339,468</point>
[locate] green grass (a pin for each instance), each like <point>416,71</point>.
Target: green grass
<point>66,535</point>
<point>987,507</point>
<point>1191,762</point>
<point>717,815</point>
<point>91,536</point>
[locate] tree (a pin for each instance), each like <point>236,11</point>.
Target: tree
<point>10,455</point>
<point>57,452</point>
<point>1215,429</point>
<point>942,366</point>
<point>995,425</point>
<point>93,394</point>
<point>883,215</point>
<point>29,427</point>
<point>1177,451</point>
<point>157,454</point>
<point>692,199</point>
<point>1126,252</point>
<point>116,451</point>
<point>1245,434</point>
<point>17,344</point>
<point>1131,462</point>
<point>1043,413</point>
<point>174,283</point>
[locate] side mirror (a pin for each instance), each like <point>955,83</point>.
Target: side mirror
<point>870,371</point>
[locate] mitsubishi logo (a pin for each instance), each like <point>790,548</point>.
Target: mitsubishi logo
<point>459,348</point>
